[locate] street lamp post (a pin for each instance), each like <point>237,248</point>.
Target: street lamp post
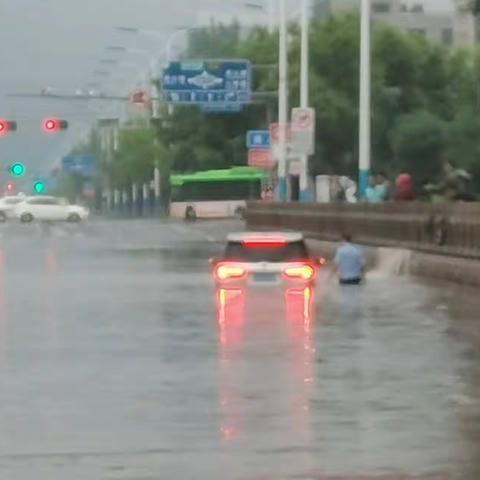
<point>156,93</point>
<point>365,98</point>
<point>304,100</point>
<point>282,105</point>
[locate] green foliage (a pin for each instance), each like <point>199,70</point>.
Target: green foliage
<point>422,104</point>
<point>217,41</point>
<point>136,156</point>
<point>464,142</point>
<point>418,143</point>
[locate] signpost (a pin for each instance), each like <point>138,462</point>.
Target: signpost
<point>84,165</point>
<point>275,133</point>
<point>303,131</point>
<point>215,85</point>
<point>258,139</point>
<point>221,108</point>
<point>261,158</point>
<point>139,98</point>
<point>275,140</point>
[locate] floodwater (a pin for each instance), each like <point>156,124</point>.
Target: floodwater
<point>118,360</point>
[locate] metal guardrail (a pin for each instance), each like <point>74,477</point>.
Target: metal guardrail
<point>448,229</point>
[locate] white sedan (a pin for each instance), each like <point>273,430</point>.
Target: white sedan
<point>8,206</point>
<point>50,209</point>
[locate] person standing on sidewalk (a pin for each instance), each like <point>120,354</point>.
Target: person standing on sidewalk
<point>349,262</point>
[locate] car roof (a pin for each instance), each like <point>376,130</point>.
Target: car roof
<point>41,197</point>
<point>287,236</point>
<point>11,197</point>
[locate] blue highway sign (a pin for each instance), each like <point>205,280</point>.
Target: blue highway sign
<point>207,82</point>
<point>85,165</point>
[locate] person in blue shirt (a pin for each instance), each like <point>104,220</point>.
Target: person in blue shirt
<point>349,262</point>
<point>372,193</point>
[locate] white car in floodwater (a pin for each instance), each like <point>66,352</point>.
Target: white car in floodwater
<point>8,206</point>
<point>46,208</point>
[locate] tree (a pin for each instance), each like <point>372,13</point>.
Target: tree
<point>468,5</point>
<point>418,141</point>
<point>135,158</point>
<point>464,142</point>
<point>418,92</point>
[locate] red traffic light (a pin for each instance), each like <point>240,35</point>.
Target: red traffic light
<point>9,188</point>
<point>7,126</point>
<point>52,125</point>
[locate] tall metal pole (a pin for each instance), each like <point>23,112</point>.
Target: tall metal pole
<point>365,94</point>
<point>304,72</point>
<point>271,16</point>
<point>282,105</point>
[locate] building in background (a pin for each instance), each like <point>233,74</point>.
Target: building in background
<point>466,26</point>
<point>450,28</point>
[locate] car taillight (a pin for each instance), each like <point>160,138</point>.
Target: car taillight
<point>225,271</point>
<point>264,242</point>
<point>300,272</point>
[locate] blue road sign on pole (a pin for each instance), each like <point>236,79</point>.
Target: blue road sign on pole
<point>221,108</point>
<point>85,165</point>
<point>258,139</point>
<point>220,83</point>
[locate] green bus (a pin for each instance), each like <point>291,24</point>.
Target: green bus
<point>215,193</point>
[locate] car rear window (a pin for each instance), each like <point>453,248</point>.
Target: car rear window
<point>285,253</point>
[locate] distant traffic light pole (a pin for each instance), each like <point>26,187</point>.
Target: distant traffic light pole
<point>7,126</point>
<point>53,125</point>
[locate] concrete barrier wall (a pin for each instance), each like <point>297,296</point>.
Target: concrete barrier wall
<point>446,229</point>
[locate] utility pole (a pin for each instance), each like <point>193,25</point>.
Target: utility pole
<point>304,86</point>
<point>365,94</point>
<point>282,105</point>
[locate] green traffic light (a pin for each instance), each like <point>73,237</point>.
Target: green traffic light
<point>17,169</point>
<point>39,187</point>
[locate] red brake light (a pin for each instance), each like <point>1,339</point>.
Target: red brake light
<point>264,242</point>
<point>226,271</point>
<point>300,272</point>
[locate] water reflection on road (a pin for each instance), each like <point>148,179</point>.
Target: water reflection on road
<point>118,360</point>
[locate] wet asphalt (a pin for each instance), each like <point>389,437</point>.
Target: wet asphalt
<point>119,360</point>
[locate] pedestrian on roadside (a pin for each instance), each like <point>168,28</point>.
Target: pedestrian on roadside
<point>372,194</point>
<point>455,185</point>
<point>383,187</point>
<point>337,193</point>
<point>267,194</point>
<point>349,262</point>
<point>404,188</point>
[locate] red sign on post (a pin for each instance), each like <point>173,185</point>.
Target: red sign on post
<point>139,97</point>
<point>260,158</point>
<point>275,133</point>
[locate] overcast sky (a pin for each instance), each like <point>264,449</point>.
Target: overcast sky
<point>59,43</point>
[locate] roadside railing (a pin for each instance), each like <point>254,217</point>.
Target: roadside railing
<point>449,229</point>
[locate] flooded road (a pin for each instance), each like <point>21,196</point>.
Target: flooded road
<point>119,360</point>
